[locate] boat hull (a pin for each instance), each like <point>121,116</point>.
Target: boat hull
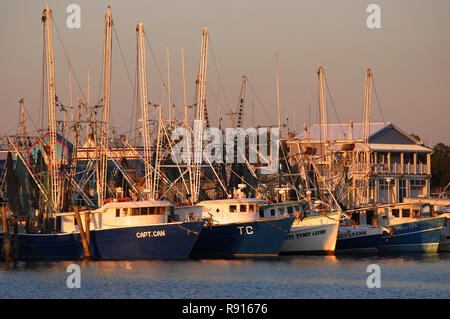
<point>444,242</point>
<point>250,239</point>
<point>421,236</point>
<point>358,240</point>
<point>312,235</point>
<point>50,247</point>
<point>163,241</point>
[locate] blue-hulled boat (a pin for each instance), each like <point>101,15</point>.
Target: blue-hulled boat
<point>359,239</point>
<point>117,230</point>
<point>234,229</point>
<point>420,236</point>
<point>407,228</point>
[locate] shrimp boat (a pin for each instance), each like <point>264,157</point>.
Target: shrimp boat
<point>235,229</point>
<point>408,227</point>
<point>358,239</point>
<point>119,229</point>
<point>311,232</point>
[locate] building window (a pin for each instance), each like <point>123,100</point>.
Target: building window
<point>417,183</point>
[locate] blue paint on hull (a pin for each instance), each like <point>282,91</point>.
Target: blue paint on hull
<point>164,241</point>
<point>50,247</point>
<point>365,244</point>
<point>420,236</point>
<point>121,243</point>
<point>250,239</point>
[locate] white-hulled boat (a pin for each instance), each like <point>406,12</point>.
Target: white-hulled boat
<point>311,232</point>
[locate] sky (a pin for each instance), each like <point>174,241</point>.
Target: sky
<point>409,56</point>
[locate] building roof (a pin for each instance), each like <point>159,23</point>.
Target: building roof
<point>341,132</point>
<point>399,148</point>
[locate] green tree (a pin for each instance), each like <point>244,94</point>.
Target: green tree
<point>440,166</point>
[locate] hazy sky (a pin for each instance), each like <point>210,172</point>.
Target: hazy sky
<point>409,56</point>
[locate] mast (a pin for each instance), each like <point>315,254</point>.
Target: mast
<point>201,110</point>
<point>366,131</point>
<point>143,95</point>
<point>104,125</point>
<point>23,127</point>
<point>51,96</point>
<point>278,98</point>
<point>240,110</point>
<point>184,88</point>
<point>366,105</point>
<point>322,107</point>
<point>168,86</point>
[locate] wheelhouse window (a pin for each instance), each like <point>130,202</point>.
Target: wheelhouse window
<point>243,208</point>
<point>406,213</point>
<point>142,211</point>
<point>117,212</point>
<point>233,208</point>
<point>272,212</point>
<point>290,210</point>
<point>261,213</point>
<point>251,208</point>
<point>395,213</point>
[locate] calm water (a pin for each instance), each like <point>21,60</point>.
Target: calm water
<point>412,276</point>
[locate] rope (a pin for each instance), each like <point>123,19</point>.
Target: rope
<point>218,73</point>
<point>184,228</point>
<point>257,99</point>
<point>378,101</point>
<point>68,61</point>
<point>275,226</point>
<point>332,103</point>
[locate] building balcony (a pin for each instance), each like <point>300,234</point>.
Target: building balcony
<point>392,169</point>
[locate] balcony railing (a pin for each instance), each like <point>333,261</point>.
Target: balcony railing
<point>395,168</point>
